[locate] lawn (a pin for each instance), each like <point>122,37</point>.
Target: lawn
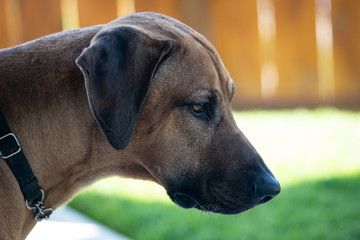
<point>315,154</point>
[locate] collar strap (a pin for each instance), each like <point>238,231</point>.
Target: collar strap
<point>10,151</point>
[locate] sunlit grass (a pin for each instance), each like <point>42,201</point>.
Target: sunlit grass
<point>301,144</point>
<point>314,155</point>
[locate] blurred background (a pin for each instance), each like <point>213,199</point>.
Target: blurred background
<point>281,53</point>
<point>296,66</point>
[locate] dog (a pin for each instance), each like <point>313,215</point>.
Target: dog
<point>144,97</point>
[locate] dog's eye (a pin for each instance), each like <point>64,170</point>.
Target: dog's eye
<point>198,108</point>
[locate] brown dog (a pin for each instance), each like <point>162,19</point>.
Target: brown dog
<point>76,127</point>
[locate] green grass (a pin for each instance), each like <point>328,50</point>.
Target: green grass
<point>314,154</point>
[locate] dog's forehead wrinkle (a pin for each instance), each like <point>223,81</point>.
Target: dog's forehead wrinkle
<point>222,74</point>
<point>202,95</point>
<point>186,67</point>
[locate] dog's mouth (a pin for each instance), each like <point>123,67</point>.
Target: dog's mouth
<point>185,201</point>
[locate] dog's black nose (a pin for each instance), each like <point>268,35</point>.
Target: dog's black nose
<point>266,188</point>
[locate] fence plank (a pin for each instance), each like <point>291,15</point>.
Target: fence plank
<point>40,18</point>
<point>93,12</point>
<point>235,35</point>
<point>196,15</point>
<point>3,26</point>
<point>296,52</point>
<point>168,7</point>
<point>125,7</point>
<point>12,24</point>
<point>346,32</point>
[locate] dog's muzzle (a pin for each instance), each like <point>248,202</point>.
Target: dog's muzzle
<point>230,197</point>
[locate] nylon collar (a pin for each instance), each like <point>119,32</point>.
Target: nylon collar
<point>11,152</point>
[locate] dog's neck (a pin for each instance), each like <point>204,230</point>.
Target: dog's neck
<point>49,113</point>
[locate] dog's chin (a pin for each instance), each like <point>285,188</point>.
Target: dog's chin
<point>219,208</point>
<point>186,201</point>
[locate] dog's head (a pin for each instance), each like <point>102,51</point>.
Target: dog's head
<point>159,88</point>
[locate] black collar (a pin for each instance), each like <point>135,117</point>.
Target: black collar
<point>10,151</point>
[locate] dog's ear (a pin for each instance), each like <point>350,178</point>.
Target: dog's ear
<point>118,67</point>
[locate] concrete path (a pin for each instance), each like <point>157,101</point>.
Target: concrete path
<point>68,224</point>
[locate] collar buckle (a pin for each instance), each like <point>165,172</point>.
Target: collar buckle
<point>9,155</point>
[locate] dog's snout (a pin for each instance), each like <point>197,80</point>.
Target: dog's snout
<point>266,188</point>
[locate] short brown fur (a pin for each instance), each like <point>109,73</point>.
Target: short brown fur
<point>45,102</point>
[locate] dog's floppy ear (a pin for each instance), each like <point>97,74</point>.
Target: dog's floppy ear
<point>118,67</point>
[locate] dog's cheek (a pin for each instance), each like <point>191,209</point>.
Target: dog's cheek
<point>183,146</point>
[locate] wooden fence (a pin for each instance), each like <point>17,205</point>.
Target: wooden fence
<point>280,53</point>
